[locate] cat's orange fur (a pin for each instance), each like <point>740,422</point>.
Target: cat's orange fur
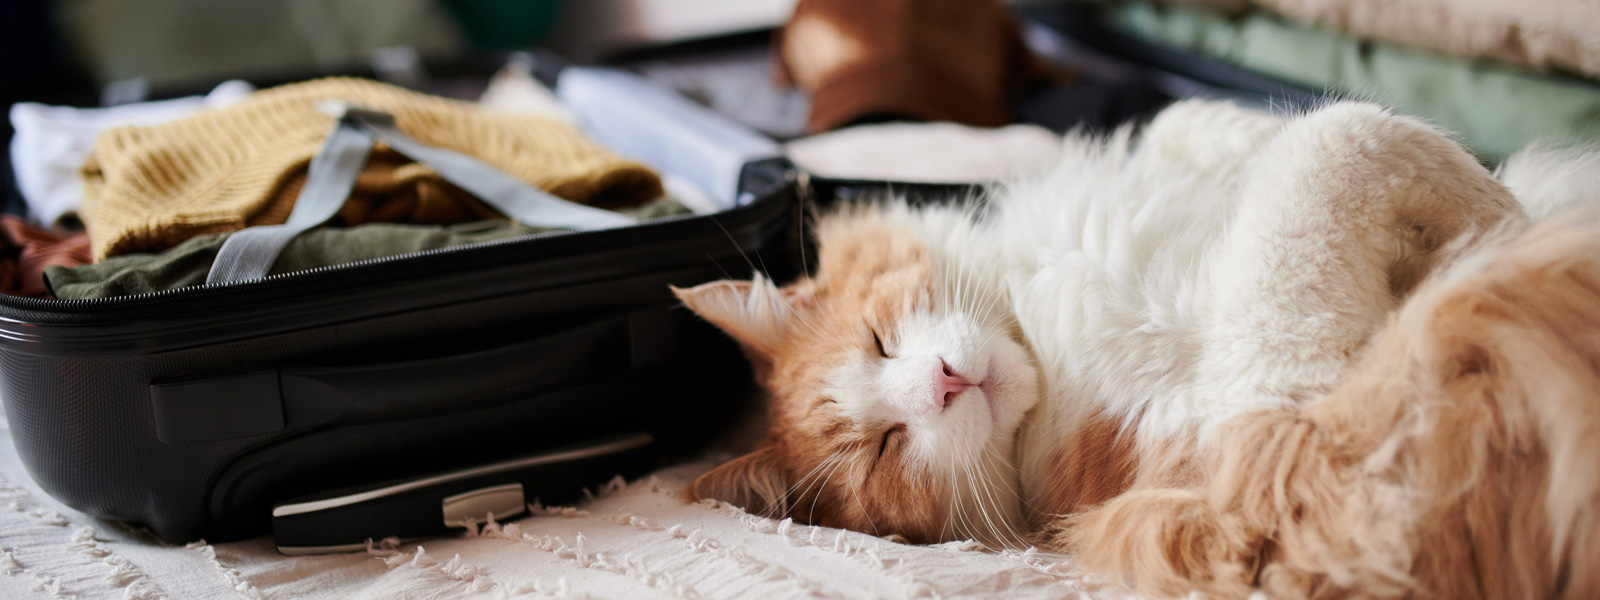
<point>1095,463</point>
<point>872,269</point>
<point>1460,459</point>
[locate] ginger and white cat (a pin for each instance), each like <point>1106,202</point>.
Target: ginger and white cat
<point>1149,358</point>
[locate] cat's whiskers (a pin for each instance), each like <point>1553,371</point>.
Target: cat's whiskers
<point>996,295</point>
<point>763,274</point>
<point>972,295</point>
<point>855,494</point>
<point>999,528</point>
<point>742,253</point>
<point>1002,533</point>
<point>963,524</point>
<point>964,295</point>
<point>812,517</point>
<point>966,472</point>
<point>987,298</point>
<point>994,456</point>
<point>789,493</point>
<point>804,320</point>
<point>962,290</point>
<point>949,516</point>
<point>949,283</point>
<point>957,520</point>
<point>1013,490</point>
<point>965,463</point>
<point>994,332</point>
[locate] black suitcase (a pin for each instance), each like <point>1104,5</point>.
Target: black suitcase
<point>398,396</point>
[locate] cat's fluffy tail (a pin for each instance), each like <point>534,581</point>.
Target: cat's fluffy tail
<point>1461,458</point>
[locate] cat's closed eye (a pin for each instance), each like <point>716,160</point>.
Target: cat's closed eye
<point>888,436</point>
<point>877,342</point>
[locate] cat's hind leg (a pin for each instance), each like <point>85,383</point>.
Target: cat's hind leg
<point>1337,217</point>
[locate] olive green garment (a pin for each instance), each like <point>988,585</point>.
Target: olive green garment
<point>187,263</point>
<point>1497,109</point>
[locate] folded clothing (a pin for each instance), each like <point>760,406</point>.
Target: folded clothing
<point>188,263</point>
<point>1496,109</point>
<point>27,251</point>
<point>928,152</point>
<point>150,188</point>
<point>673,134</point>
<point>51,142</point>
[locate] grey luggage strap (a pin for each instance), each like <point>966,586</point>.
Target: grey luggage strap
<point>251,252</point>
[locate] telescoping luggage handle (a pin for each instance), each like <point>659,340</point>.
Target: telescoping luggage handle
<point>438,503</point>
<point>250,253</point>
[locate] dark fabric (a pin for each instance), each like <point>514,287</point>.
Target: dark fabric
<point>27,251</point>
<point>1091,104</point>
<point>188,263</point>
<point>9,194</point>
<point>931,60</point>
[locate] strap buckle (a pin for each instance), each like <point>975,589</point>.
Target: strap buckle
<point>354,114</point>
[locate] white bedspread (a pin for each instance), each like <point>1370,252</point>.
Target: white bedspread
<point>632,541</point>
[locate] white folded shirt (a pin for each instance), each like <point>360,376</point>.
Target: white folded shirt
<point>928,152</point>
<point>51,142</point>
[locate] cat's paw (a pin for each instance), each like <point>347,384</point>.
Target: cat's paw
<point>1165,543</point>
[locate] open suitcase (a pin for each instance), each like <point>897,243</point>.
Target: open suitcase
<point>401,396</point>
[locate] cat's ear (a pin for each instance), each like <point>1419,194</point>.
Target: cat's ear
<point>755,482</point>
<point>756,313</point>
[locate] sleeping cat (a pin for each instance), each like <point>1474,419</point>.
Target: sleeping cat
<point>1148,359</point>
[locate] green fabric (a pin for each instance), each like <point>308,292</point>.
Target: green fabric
<point>187,264</point>
<point>1496,109</point>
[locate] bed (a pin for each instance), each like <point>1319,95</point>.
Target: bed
<point>629,539</point>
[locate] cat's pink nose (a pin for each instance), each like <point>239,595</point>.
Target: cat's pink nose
<point>947,384</point>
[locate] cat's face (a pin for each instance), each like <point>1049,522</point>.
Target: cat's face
<point>895,386</point>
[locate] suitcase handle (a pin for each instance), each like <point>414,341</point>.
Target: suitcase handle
<point>440,503</point>
<point>299,397</point>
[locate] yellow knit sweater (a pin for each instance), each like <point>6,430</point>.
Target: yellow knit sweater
<point>149,188</point>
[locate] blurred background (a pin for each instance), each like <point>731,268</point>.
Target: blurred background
<point>73,48</point>
<point>1500,74</point>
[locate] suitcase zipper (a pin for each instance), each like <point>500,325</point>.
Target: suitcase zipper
<point>196,314</point>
